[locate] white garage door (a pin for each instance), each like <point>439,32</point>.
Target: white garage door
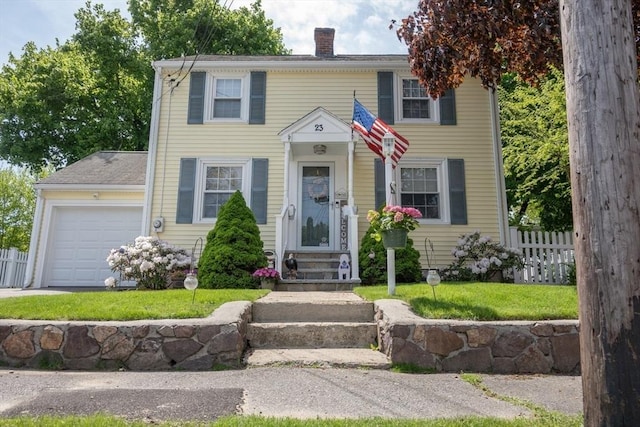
<point>80,240</point>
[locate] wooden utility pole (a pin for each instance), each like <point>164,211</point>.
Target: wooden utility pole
<point>603,114</point>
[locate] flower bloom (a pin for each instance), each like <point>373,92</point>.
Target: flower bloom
<point>110,282</point>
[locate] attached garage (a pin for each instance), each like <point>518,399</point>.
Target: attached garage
<point>83,211</point>
<point>81,239</point>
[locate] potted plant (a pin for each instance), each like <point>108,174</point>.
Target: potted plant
<point>268,277</point>
<point>392,224</point>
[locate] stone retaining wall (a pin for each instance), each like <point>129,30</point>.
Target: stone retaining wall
<point>497,347</point>
<point>221,339</point>
<point>189,344</point>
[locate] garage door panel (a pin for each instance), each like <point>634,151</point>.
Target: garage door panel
<point>80,239</point>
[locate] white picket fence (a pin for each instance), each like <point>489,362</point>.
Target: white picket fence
<point>13,267</point>
<point>547,256</point>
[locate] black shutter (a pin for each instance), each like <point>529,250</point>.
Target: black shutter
<point>259,178</point>
<point>186,191</point>
<point>379,183</point>
<point>448,108</point>
<point>196,97</point>
<point>257,97</point>
<point>385,97</point>
<point>457,191</point>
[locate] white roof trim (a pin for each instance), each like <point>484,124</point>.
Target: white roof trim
<point>319,125</point>
<point>391,64</point>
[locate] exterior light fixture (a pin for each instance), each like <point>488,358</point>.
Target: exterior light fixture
<point>388,143</point>
<point>319,149</point>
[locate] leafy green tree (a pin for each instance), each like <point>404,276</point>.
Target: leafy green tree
<point>233,250</point>
<point>533,122</point>
<point>17,204</point>
<point>373,269</point>
<point>174,28</point>
<point>94,92</point>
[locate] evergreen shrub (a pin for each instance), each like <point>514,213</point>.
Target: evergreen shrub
<point>233,250</point>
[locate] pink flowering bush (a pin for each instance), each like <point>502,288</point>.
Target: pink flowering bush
<point>149,262</point>
<point>393,218</point>
<point>266,273</point>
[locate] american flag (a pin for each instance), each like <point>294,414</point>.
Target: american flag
<point>372,129</point>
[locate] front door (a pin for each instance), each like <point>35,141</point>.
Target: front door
<point>316,222</point>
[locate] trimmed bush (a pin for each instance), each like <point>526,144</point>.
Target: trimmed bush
<point>374,270</point>
<point>233,250</point>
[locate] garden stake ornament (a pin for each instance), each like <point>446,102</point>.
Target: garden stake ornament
<point>191,281</point>
<point>433,278</point>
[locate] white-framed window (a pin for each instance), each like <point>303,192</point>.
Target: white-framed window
<point>413,103</point>
<point>229,97</point>
<point>423,185</point>
<point>216,181</point>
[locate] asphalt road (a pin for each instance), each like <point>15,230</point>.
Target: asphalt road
<point>277,392</point>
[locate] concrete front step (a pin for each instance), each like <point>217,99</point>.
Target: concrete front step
<point>313,285</point>
<point>298,311</point>
<point>321,357</point>
<point>281,307</point>
<point>315,265</point>
<point>312,335</point>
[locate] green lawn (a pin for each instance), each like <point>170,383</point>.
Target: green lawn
<point>124,305</point>
<point>468,301</point>
<point>483,301</point>
<point>546,419</point>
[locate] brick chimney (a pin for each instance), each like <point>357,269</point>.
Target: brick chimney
<point>324,41</point>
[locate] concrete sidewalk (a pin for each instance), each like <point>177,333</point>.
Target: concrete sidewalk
<point>279,392</point>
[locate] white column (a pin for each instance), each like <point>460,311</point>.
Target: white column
<point>351,148</point>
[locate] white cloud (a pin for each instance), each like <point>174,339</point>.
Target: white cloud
<point>361,25</point>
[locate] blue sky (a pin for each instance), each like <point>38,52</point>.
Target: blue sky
<point>361,25</point>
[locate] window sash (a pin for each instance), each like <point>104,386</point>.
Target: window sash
<point>216,183</point>
<point>228,97</point>
<point>412,101</point>
<point>419,188</point>
<point>423,185</point>
<point>415,102</point>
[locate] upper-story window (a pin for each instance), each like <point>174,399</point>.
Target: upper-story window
<point>413,102</point>
<point>229,98</point>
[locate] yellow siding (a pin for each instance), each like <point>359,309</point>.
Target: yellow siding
<point>290,96</point>
<point>124,196</point>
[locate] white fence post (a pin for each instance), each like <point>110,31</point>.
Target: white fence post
<point>13,266</point>
<point>546,255</point>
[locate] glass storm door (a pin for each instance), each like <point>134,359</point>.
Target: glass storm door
<point>315,222</point>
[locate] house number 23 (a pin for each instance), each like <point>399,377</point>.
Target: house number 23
<point>319,128</point>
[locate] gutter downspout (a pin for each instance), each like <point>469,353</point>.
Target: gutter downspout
<point>152,152</point>
<point>33,242</point>
<point>503,217</point>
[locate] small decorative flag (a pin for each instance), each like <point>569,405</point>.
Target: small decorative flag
<point>372,129</point>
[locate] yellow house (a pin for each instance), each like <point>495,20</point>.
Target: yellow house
<point>279,129</point>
